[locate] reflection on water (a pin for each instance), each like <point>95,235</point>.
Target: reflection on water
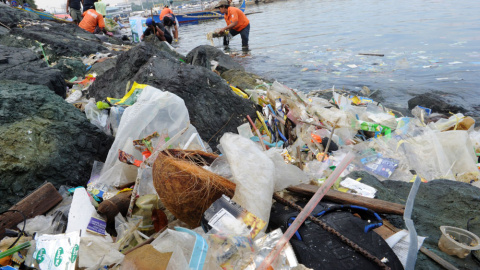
<point>427,45</point>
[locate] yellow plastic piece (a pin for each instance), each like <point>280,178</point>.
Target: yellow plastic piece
<point>134,86</point>
<point>239,92</point>
<point>260,117</point>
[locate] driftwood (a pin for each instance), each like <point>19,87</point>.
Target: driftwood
<point>36,203</point>
<point>372,54</point>
<point>376,205</point>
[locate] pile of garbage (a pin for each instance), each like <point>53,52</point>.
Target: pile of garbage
<point>163,199</point>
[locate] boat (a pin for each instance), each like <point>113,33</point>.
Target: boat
<point>196,16</point>
<point>45,15</point>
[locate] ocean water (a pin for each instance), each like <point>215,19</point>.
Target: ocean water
<point>427,46</point>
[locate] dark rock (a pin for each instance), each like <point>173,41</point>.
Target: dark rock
<point>438,203</point>
<point>434,102</point>
<point>243,80</point>
<point>23,65</point>
<point>43,139</point>
<point>11,16</point>
<point>58,39</point>
<point>163,46</point>
<point>203,54</point>
<point>101,67</point>
<point>213,108</point>
<point>71,67</point>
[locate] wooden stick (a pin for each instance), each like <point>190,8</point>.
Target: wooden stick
<point>36,203</point>
<point>372,54</point>
<point>376,205</point>
<point>329,141</point>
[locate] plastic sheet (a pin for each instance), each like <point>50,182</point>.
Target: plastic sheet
<point>253,173</point>
<point>285,174</point>
<point>154,110</point>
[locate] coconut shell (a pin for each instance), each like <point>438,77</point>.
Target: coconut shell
<point>186,189</point>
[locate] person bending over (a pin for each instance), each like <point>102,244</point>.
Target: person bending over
<point>237,23</point>
<point>93,22</point>
<point>158,30</point>
<point>171,25</point>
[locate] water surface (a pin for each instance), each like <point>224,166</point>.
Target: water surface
<point>309,45</point>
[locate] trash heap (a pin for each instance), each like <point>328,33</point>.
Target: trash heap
<point>164,200</point>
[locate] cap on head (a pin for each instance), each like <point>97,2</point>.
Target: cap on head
<point>222,3</point>
<point>14,3</point>
<point>149,22</point>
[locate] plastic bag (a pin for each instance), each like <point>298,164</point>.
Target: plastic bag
<point>116,113</point>
<point>253,172</point>
<point>97,117</point>
<point>154,110</point>
<point>57,251</point>
<point>285,174</point>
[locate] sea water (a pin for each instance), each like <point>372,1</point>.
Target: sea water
<point>427,46</point>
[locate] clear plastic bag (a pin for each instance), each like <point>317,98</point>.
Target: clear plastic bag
<point>97,117</point>
<point>254,174</point>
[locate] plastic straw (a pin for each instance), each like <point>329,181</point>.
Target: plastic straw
<point>307,210</point>
<point>258,133</point>
<point>11,251</point>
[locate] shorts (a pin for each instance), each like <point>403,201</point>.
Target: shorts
<point>76,15</point>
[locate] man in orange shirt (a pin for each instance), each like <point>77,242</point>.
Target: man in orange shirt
<point>237,23</point>
<point>164,12</point>
<point>93,22</point>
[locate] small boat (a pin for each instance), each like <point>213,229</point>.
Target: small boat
<point>45,15</point>
<point>196,16</point>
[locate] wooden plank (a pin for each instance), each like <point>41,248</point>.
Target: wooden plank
<point>36,203</point>
<point>376,205</point>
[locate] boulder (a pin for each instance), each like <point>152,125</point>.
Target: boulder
<point>164,46</point>
<point>71,67</point>
<point>242,79</point>
<point>43,139</point>
<point>213,108</point>
<point>101,67</point>
<point>57,39</point>
<point>435,102</point>
<point>23,65</point>
<point>11,16</point>
<point>204,54</point>
<point>438,203</point>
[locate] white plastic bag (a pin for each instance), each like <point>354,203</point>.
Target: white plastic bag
<point>253,172</point>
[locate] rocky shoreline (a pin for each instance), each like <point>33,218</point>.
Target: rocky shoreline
<point>46,139</point>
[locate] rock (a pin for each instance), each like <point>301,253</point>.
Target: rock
<point>43,139</point>
<point>438,203</point>
<point>204,54</point>
<point>434,102</point>
<point>101,67</point>
<point>23,65</point>
<point>164,46</point>
<point>11,16</point>
<point>71,67</point>
<point>213,108</point>
<point>58,39</point>
<point>243,80</point>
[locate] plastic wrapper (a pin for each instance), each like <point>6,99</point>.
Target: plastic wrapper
<point>38,224</point>
<point>144,206</point>
<point>231,251</point>
<point>114,118</point>
<point>253,173</point>
<point>97,252</point>
<point>285,174</point>
<point>263,246</point>
<point>154,110</point>
<point>180,243</point>
<point>221,167</point>
<point>57,252</point>
<point>97,117</point>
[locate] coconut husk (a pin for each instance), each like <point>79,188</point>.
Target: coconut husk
<point>185,188</point>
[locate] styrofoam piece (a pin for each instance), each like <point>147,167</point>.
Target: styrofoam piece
<point>81,211</point>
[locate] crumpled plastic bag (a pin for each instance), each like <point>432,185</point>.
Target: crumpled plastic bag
<point>253,173</point>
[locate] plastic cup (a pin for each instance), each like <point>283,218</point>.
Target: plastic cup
<point>458,242</point>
